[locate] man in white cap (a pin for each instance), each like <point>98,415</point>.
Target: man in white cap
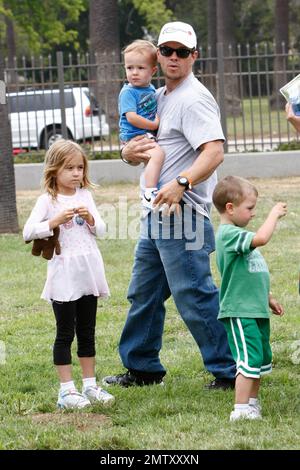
<point>191,135</point>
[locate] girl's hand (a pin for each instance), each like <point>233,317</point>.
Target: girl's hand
<point>85,214</point>
<point>275,306</point>
<point>61,218</point>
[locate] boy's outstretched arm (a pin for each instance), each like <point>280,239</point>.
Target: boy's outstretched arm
<point>264,233</point>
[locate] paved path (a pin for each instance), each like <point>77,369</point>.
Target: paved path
<point>257,165</point>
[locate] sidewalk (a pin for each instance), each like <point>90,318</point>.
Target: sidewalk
<point>247,165</point>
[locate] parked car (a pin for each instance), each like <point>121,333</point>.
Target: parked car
<point>35,117</point>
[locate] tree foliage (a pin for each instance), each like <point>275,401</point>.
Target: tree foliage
<point>131,22</point>
<point>43,26</point>
<point>155,14</point>
<point>45,23</point>
<point>254,21</point>
<point>193,12</point>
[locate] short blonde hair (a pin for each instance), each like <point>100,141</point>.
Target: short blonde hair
<point>145,48</point>
<point>56,158</point>
<point>232,189</point>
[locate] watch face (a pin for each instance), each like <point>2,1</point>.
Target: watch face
<point>183,181</point>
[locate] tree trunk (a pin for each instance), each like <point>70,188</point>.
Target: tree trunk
<point>8,209</point>
<point>281,15</point>
<point>212,26</point>
<point>11,52</point>
<point>105,47</point>
<point>225,36</point>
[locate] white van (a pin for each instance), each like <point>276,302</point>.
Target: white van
<point>35,117</point>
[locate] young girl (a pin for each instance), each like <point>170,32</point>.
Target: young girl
<point>76,277</point>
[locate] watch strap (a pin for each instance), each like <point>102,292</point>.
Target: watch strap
<point>188,185</point>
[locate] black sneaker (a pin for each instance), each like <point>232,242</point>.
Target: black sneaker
<point>221,384</point>
<point>130,379</point>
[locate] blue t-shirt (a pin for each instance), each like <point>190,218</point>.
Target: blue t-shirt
<point>140,100</point>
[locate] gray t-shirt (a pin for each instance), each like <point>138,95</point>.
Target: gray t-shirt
<point>189,117</point>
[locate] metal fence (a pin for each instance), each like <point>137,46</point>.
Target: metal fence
<point>77,97</point>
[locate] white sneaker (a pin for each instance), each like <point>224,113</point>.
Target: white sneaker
<point>71,399</point>
<point>256,409</point>
<point>148,198</point>
<point>97,394</point>
<point>246,413</point>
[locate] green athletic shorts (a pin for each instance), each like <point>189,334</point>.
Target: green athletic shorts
<point>249,341</point>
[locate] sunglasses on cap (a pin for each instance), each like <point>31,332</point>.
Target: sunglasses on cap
<point>181,52</point>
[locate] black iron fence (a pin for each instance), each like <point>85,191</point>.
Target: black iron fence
<point>77,97</point>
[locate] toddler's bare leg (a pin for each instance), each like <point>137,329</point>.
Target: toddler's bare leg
<point>255,388</point>
<point>245,387</point>
<point>153,167</point>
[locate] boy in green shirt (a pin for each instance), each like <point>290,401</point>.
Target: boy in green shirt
<point>245,298</point>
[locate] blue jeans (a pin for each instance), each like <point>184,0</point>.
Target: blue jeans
<point>166,265</point>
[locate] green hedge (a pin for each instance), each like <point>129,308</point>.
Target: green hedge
<point>37,156</point>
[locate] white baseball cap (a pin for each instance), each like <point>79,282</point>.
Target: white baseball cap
<point>178,32</point>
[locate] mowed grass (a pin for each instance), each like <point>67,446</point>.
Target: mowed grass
<point>258,121</point>
<point>180,415</point>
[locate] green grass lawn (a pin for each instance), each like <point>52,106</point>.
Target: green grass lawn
<point>258,121</point>
<point>180,415</point>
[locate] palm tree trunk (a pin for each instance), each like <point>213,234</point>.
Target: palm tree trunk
<point>225,35</point>
<point>11,52</point>
<point>105,47</point>
<point>281,15</point>
<point>8,209</point>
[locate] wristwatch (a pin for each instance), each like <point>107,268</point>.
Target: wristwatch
<point>183,181</point>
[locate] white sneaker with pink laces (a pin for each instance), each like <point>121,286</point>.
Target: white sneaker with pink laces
<point>72,399</point>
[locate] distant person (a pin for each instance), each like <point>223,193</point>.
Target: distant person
<point>76,277</point>
<point>245,297</point>
<point>291,117</point>
<point>191,135</point>
<point>138,109</point>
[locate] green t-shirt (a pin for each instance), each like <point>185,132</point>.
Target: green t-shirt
<point>245,279</point>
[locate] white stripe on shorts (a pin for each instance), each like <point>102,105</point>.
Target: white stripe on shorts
<point>254,372</point>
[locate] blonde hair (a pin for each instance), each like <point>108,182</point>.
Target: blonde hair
<point>232,189</point>
<point>145,48</point>
<point>56,158</point>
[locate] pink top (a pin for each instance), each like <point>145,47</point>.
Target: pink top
<point>79,269</point>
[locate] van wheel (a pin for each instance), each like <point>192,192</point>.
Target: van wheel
<point>52,135</point>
